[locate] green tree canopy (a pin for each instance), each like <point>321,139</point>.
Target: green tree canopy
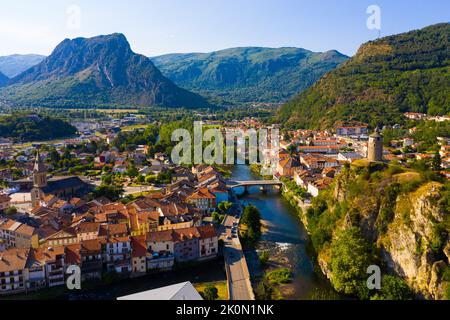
<point>351,255</point>
<point>210,292</point>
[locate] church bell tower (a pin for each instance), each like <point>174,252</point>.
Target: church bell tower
<point>39,181</point>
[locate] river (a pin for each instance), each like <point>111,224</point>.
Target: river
<point>285,238</point>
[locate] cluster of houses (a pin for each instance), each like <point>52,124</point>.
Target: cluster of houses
<point>423,116</point>
<point>313,158</point>
<point>150,234</point>
<point>157,231</point>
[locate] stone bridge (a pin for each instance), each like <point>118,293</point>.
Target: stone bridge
<point>231,184</point>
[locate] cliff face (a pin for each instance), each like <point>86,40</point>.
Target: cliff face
<point>408,246</point>
<point>408,227</point>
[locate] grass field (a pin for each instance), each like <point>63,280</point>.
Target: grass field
<point>221,287</point>
<point>407,177</point>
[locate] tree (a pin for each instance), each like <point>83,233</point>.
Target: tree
<point>436,163</point>
<point>265,290</point>
<point>150,179</point>
<point>264,258</point>
<point>292,149</point>
<point>132,171</point>
<point>393,288</point>
<point>11,211</point>
<point>351,255</point>
<point>107,179</point>
<point>54,156</point>
<point>112,192</point>
<point>140,178</point>
<point>251,218</point>
<point>224,207</point>
<point>217,217</point>
<point>210,292</point>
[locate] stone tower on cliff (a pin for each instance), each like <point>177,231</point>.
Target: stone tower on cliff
<point>39,181</point>
<point>375,148</point>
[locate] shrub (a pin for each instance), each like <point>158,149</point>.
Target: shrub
<point>210,292</point>
<point>11,211</point>
<point>279,276</point>
<point>264,258</point>
<point>393,288</point>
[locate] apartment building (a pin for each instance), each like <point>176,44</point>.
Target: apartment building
<point>160,246</point>
<point>13,272</point>
<point>118,254</point>
<point>18,235</point>
<point>208,242</point>
<point>5,202</point>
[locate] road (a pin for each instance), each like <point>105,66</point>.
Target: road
<point>239,276</point>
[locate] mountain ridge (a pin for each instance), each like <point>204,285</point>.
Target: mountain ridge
<point>15,64</point>
<point>97,71</point>
<point>3,79</point>
<point>247,74</point>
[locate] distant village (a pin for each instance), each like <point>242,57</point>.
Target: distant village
<point>51,222</point>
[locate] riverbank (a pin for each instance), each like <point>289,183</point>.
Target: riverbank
<point>287,241</point>
<point>297,203</point>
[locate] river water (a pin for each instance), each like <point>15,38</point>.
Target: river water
<point>286,240</point>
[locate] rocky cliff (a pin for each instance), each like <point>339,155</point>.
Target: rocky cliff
<point>403,214</point>
<point>408,247</point>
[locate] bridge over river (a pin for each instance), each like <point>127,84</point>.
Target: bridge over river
<point>231,184</point>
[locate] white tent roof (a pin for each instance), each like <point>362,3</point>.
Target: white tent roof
<point>181,291</point>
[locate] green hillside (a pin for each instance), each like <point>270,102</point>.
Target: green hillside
<point>249,73</point>
<point>387,77</point>
<point>23,127</point>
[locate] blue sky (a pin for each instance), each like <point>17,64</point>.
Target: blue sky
<point>156,27</point>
